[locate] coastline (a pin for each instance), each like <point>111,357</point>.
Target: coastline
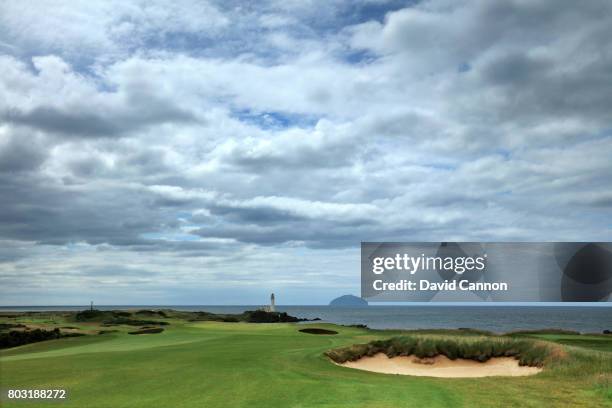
<point>499,319</point>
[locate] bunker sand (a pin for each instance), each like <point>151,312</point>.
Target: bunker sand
<point>442,366</point>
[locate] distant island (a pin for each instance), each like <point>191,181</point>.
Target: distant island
<point>348,301</point>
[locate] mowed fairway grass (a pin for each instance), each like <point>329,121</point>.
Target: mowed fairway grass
<point>213,364</point>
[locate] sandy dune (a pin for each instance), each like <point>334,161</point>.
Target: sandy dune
<point>441,366</point>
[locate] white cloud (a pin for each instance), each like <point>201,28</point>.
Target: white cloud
<point>197,142</point>
<point>104,30</point>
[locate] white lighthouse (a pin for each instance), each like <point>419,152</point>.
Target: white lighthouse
<point>272,305</point>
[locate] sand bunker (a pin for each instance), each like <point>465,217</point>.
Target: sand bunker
<point>442,366</point>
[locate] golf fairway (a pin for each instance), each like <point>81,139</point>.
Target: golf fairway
<point>212,364</point>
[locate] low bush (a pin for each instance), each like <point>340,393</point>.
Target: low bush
<point>527,352</point>
<point>20,337</point>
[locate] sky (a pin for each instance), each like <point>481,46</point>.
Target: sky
<point>194,152</point>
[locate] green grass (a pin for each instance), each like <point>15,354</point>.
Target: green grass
<point>215,364</point>
<point>600,342</point>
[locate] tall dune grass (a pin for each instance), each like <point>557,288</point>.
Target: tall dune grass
<point>528,352</point>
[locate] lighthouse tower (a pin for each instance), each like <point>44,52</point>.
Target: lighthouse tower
<point>272,305</point>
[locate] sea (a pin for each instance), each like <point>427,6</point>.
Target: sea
<point>499,319</point>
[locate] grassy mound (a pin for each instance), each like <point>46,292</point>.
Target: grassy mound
<point>527,352</point>
<point>316,330</point>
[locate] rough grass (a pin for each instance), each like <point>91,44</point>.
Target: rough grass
<point>528,352</point>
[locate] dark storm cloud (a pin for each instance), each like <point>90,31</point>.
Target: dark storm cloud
<point>256,215</point>
<point>33,209</point>
<point>72,123</point>
<point>312,234</point>
<point>36,210</point>
<point>516,69</point>
<point>528,60</point>
<point>102,124</point>
<point>539,88</point>
<point>21,151</point>
<point>563,71</point>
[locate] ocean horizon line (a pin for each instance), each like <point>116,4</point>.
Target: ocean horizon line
<point>377,304</point>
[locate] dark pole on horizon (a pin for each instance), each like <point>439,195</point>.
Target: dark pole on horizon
<point>91,306</point>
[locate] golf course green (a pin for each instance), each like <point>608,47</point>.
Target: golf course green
<point>238,364</point>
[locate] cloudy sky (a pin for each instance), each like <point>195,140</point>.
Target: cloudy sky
<point>210,153</point>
